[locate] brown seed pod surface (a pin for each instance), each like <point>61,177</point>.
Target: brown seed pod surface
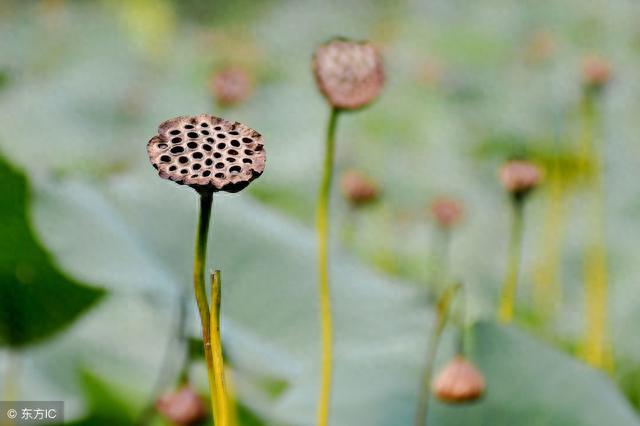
<point>519,177</point>
<point>349,74</point>
<point>459,381</point>
<point>231,86</point>
<point>207,153</point>
<point>182,407</point>
<point>358,189</point>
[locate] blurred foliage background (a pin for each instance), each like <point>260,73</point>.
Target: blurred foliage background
<point>95,250</point>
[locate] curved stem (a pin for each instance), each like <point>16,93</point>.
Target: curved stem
<point>322,227</point>
<point>507,299</point>
<point>221,399</point>
<point>444,304</point>
<point>206,201</point>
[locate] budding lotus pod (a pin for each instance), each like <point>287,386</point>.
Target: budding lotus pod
<point>358,189</point>
<point>207,153</point>
<point>519,177</point>
<point>446,211</point>
<point>459,381</point>
<point>349,74</point>
<point>183,407</point>
<point>231,86</point>
<point>596,72</point>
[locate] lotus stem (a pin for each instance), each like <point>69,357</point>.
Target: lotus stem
<point>510,285</point>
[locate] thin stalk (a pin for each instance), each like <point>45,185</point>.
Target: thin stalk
<point>510,285</point>
<point>206,201</point>
<point>221,398</point>
<point>324,291</point>
<point>442,241</point>
<point>596,350</point>
<point>443,308</point>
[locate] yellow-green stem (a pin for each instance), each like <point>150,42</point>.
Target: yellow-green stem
<point>206,201</point>
<point>324,293</point>
<point>221,400</point>
<point>595,348</point>
<point>444,303</point>
<point>510,285</point>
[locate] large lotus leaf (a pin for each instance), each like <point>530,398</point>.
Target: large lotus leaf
<point>36,298</point>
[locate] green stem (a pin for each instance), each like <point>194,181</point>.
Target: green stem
<point>443,308</point>
<point>507,300</point>
<point>324,293</point>
<point>222,418</point>
<point>206,201</point>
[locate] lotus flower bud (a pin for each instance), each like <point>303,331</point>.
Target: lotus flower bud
<point>231,86</point>
<point>519,177</point>
<point>446,211</point>
<point>596,72</point>
<point>459,381</point>
<point>349,74</point>
<point>358,189</point>
<point>183,407</point>
<point>207,153</point>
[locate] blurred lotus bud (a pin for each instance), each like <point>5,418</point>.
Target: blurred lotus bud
<point>596,71</point>
<point>359,189</point>
<point>231,86</point>
<point>183,407</point>
<point>446,211</point>
<point>519,177</point>
<point>459,381</point>
<point>207,153</point>
<point>349,74</point>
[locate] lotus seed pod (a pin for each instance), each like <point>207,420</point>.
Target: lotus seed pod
<point>519,177</point>
<point>459,381</point>
<point>596,71</point>
<point>231,86</point>
<point>182,407</point>
<point>207,153</point>
<point>358,189</point>
<point>349,74</point>
<point>446,211</point>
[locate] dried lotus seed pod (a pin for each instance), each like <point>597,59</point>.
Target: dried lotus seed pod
<point>207,153</point>
<point>349,74</point>
<point>519,177</point>
<point>182,407</point>
<point>459,381</point>
<point>231,86</point>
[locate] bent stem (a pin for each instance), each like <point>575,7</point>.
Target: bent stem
<point>206,201</point>
<point>443,308</point>
<point>221,399</point>
<point>510,285</point>
<point>324,293</point>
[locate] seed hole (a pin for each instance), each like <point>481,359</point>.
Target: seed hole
<point>221,135</point>
<point>248,152</point>
<point>165,158</point>
<point>232,152</point>
<point>162,145</point>
<point>217,155</point>
<point>177,150</point>
<point>192,145</point>
<point>192,135</point>
<point>217,128</point>
<point>174,132</point>
<point>235,143</point>
<point>184,171</point>
<point>204,124</point>
<point>194,176</point>
<point>197,166</point>
<point>235,170</point>
<point>188,126</point>
<point>208,162</point>
<point>247,140</point>
<point>176,140</point>
<point>204,132</point>
<point>222,145</point>
<point>183,160</point>
<point>207,147</point>
<point>219,165</point>
<point>173,168</point>
<point>206,173</point>
<point>219,175</point>
<point>212,140</point>
<point>247,161</point>
<point>234,133</point>
<point>197,155</point>
<point>231,160</point>
<point>259,148</point>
